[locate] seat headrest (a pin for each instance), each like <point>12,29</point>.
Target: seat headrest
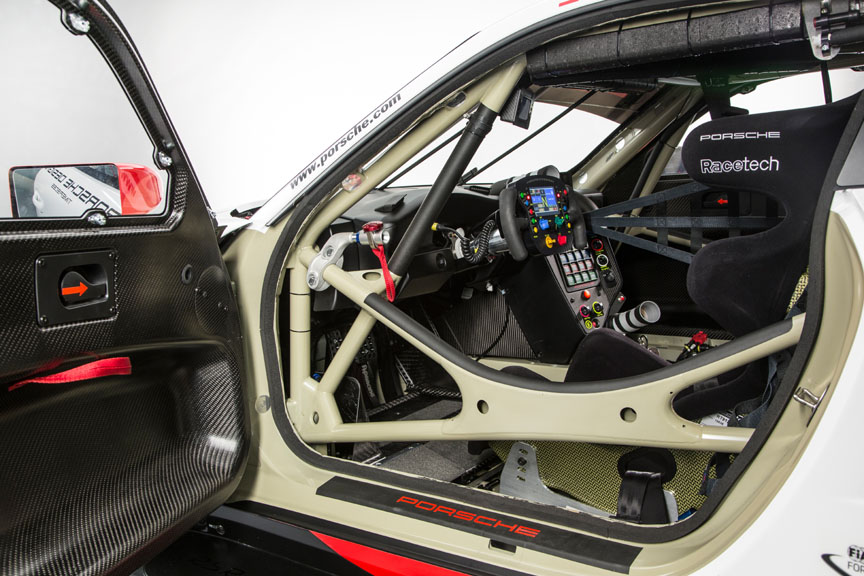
<point>774,153</point>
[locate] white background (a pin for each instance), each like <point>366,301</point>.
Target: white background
<point>256,89</point>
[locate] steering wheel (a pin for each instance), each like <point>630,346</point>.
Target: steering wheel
<point>536,211</point>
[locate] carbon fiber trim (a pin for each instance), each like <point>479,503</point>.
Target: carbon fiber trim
<point>472,325</point>
<point>95,471</point>
<point>99,475</point>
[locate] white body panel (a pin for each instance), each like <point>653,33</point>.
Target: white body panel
<point>818,510</point>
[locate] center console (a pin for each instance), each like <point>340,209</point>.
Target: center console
<point>559,298</point>
<point>590,280</point>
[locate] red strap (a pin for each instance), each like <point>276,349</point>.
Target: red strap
<point>388,280</point>
<point>120,366</point>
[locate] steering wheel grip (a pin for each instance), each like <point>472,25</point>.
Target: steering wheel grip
<point>507,214</point>
<point>580,234</point>
<point>579,204</point>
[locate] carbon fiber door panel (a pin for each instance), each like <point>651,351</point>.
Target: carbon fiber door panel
<point>100,473</point>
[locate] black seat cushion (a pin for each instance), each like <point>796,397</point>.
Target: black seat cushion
<point>604,354</point>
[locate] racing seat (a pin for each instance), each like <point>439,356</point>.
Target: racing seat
<point>744,283</point>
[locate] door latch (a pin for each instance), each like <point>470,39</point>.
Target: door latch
<point>75,287</point>
<point>83,285</point>
<point>807,398</point>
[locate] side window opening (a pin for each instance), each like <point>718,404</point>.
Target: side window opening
<point>72,141</point>
<point>563,144</point>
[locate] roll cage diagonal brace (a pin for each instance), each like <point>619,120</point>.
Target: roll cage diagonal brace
<point>478,127</point>
<point>312,408</point>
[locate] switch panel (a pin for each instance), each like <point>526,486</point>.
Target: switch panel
<point>590,281</point>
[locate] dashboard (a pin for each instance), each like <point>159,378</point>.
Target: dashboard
<point>559,281</point>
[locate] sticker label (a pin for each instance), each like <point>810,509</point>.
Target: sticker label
<point>466,516</point>
<point>342,143</point>
<point>488,523</point>
<point>718,419</point>
<point>851,563</point>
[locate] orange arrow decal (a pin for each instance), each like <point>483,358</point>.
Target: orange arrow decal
<point>722,201</point>
<point>76,290</point>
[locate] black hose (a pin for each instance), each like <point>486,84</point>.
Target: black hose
<point>477,255</point>
<point>848,35</point>
<point>498,339</point>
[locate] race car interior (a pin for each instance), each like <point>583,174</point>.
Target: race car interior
<point>604,336</point>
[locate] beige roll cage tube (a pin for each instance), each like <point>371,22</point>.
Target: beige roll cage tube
<point>490,410</point>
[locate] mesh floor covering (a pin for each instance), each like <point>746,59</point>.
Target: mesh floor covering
<point>589,472</point>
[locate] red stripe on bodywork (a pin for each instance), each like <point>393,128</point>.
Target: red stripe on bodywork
<point>566,2</point>
<point>380,563</point>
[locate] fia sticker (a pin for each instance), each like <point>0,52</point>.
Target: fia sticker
<point>718,419</point>
<point>852,563</point>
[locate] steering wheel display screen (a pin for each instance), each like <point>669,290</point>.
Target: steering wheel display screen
<point>535,213</point>
<point>543,201</point>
